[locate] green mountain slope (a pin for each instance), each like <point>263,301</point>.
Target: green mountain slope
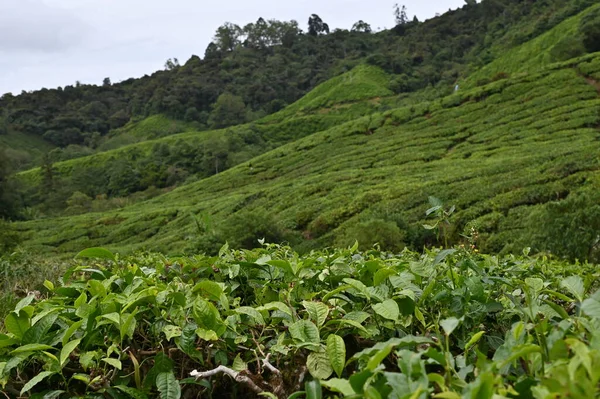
<point>556,45</point>
<point>202,154</point>
<point>265,66</point>
<point>498,152</point>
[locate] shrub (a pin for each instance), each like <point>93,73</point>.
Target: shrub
<point>380,232</point>
<point>590,30</point>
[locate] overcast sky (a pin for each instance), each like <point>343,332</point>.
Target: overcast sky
<point>51,43</point>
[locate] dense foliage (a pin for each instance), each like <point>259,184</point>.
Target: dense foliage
<point>446,324</point>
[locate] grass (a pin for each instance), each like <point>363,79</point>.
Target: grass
<point>497,152</point>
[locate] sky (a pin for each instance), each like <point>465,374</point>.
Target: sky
<point>51,43</point>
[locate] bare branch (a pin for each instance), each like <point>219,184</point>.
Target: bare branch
<point>232,373</point>
<point>268,365</point>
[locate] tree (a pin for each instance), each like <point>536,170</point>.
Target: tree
<point>212,51</point>
<point>171,64</point>
<point>47,170</point>
<point>7,203</point>
<point>316,26</point>
<point>400,14</point>
<point>227,37</point>
<point>361,26</point>
<point>471,2</point>
<point>589,28</point>
<point>106,82</point>
<point>229,110</point>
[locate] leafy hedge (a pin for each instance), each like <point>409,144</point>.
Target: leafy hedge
<point>446,324</point>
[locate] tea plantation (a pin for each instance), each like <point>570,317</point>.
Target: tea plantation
<point>423,223</point>
<point>270,322</point>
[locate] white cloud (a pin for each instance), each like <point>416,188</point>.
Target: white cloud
<point>31,25</point>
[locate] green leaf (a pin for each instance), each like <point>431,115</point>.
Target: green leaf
<point>336,349</point>
<point>162,364</point>
<point>283,265</point>
<point>253,313</point>
<point>474,339</point>
<point>359,286</point>
<point>239,364</point>
<point>134,393</point>
<point>381,275</point>
<point>87,360</point>
<point>114,317</point>
<point>318,365</point>
<point>128,323</point>
<point>275,306</point>
<point>50,286</point>
<point>317,311</point>
<point>6,341</point>
<point>36,380</point>
<point>22,303</point>
<point>339,385</point>
<point>53,394</point>
<point>536,283</point>
<point>172,331</point>
<point>31,348</point>
<point>449,325</point>
<point>442,255</point>
<point>168,386</point>
<point>305,331</point>
<point>99,253</point>
<point>116,363</point>
<point>209,289</point>
<point>388,309</point>
<point>590,306</point>
<point>70,331</point>
<point>574,284</point>
<point>96,288</point>
<point>17,325</point>
<point>207,335</point>
<point>67,350</point>
<point>36,333</point>
<point>188,339</point>
<point>409,340</point>
<point>313,390</point>
<point>519,352</point>
<point>379,356</point>
<point>349,323</point>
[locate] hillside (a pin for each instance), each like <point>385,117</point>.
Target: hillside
<point>258,69</point>
<point>514,149</point>
<point>498,152</point>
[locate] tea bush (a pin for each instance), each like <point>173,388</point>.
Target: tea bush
<point>445,324</point>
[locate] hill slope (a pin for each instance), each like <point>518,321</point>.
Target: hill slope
<point>498,152</point>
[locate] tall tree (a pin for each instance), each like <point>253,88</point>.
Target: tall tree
<point>229,110</point>
<point>228,36</point>
<point>316,26</point>
<point>8,195</point>
<point>361,26</point>
<point>400,14</point>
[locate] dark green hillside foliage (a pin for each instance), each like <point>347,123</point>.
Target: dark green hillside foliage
<point>590,31</point>
<point>8,187</point>
<point>269,64</point>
